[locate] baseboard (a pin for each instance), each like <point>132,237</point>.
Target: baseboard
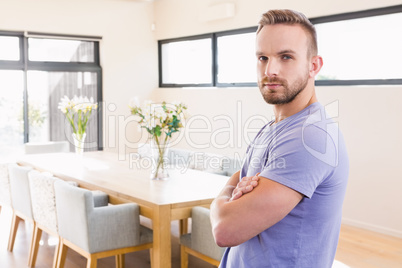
<point>372,227</point>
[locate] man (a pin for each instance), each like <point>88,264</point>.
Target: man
<point>284,207</point>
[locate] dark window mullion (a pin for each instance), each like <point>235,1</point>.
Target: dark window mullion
<point>367,82</point>
<point>97,53</point>
<point>62,66</point>
<point>8,65</point>
<point>100,108</point>
<point>214,44</point>
<point>160,64</point>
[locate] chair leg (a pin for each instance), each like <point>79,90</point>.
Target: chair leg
<point>62,254</point>
<point>120,261</point>
<point>31,245</point>
<point>13,232</point>
<point>151,257</point>
<point>183,257</point>
<point>57,253</point>
<point>91,262</point>
<point>33,251</point>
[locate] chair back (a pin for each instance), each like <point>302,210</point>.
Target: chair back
<point>72,206</point>
<point>202,239</point>
<point>5,192</point>
<point>47,147</point>
<point>43,199</point>
<point>96,229</point>
<point>20,192</point>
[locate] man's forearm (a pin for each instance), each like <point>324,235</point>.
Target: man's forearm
<point>223,197</point>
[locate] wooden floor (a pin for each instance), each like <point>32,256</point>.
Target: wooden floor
<point>357,248</point>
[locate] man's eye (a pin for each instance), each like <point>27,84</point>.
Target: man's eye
<point>262,58</point>
<point>286,57</point>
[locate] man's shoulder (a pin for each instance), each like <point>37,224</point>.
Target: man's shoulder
<point>313,120</point>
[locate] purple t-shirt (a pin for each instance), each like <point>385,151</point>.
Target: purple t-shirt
<point>305,152</point>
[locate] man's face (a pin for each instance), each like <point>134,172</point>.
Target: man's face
<point>283,66</point>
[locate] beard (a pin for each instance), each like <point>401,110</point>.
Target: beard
<point>290,92</point>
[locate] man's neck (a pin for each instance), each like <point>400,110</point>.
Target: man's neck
<point>283,111</point>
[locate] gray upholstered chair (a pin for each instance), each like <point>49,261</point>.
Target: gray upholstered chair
<point>231,165</point>
<point>47,147</point>
<point>208,162</point>
<point>5,194</point>
<point>21,200</point>
<point>97,232</point>
<point>43,202</point>
<point>200,242</point>
<point>180,157</point>
<point>144,150</point>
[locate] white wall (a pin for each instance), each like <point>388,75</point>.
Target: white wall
<point>368,116</point>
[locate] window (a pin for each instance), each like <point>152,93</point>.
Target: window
<point>236,64</point>
<point>361,47</point>
<point>11,111</point>
<point>35,73</point>
<point>56,50</point>
<point>9,48</point>
<point>45,121</point>
<point>358,48</point>
<point>219,59</point>
<point>187,62</point>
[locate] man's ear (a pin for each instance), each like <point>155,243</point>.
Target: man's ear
<point>315,65</point>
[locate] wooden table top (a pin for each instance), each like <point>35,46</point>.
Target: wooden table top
<point>122,178</point>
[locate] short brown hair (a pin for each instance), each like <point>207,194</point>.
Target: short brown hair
<point>291,17</point>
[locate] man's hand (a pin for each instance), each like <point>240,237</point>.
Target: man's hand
<point>246,185</point>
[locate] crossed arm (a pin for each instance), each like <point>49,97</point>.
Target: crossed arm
<point>243,210</point>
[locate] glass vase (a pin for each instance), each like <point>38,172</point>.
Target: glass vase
<point>79,142</point>
<point>159,149</point>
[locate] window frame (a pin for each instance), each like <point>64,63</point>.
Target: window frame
<point>315,20</point>
<point>11,64</point>
<point>214,67</point>
<point>216,63</point>
<point>181,39</point>
<point>358,15</point>
<point>25,65</point>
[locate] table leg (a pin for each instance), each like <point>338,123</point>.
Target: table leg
<point>162,249</point>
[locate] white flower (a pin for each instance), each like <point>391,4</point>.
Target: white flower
<point>83,104</point>
<point>159,118</point>
<point>77,105</point>
<point>65,104</point>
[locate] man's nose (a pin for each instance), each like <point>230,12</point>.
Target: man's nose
<point>272,68</point>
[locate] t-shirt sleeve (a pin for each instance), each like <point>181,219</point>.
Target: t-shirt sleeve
<point>301,159</point>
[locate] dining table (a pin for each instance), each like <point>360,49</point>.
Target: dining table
<point>126,179</point>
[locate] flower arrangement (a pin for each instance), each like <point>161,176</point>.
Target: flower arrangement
<point>161,121</point>
<point>78,111</point>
